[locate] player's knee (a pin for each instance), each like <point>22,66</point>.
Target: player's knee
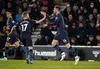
<point>68,45</point>
<point>54,43</point>
<point>16,44</point>
<point>7,44</point>
<point>30,47</point>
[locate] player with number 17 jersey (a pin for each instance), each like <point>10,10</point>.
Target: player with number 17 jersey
<point>26,31</point>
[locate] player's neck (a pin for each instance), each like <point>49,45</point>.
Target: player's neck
<point>57,13</point>
<point>25,18</point>
<point>10,17</point>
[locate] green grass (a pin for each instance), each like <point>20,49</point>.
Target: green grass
<point>41,64</point>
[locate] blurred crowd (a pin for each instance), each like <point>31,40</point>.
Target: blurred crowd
<point>83,19</point>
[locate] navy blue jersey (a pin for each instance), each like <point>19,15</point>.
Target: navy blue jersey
<point>12,38</point>
<point>26,26</point>
<point>58,20</point>
<point>10,24</point>
<point>61,34</point>
<point>26,31</point>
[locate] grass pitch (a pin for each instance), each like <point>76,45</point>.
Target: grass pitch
<point>41,64</point>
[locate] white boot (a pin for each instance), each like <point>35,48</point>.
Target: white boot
<point>63,55</point>
<point>77,58</point>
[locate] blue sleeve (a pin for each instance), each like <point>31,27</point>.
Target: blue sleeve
<point>51,19</point>
<point>51,24</point>
<point>11,23</point>
<point>17,24</point>
<point>33,22</point>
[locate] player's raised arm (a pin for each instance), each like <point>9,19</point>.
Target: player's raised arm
<point>44,17</point>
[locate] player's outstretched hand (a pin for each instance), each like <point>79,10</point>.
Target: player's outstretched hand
<point>43,13</point>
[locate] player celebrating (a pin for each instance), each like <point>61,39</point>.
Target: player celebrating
<point>11,35</point>
<point>25,33</point>
<point>61,35</point>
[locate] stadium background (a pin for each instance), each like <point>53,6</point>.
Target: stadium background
<point>83,21</point>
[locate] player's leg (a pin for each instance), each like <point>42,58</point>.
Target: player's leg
<point>71,49</point>
<point>30,48</point>
<point>24,41</point>
<point>21,48</point>
<point>55,45</point>
<point>6,50</point>
<point>29,57</point>
<point>73,52</point>
<point>15,42</point>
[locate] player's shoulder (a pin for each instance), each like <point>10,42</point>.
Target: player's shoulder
<point>26,20</point>
<point>12,20</point>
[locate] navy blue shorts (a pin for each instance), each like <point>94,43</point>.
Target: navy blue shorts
<point>62,37</point>
<point>12,39</point>
<point>27,41</point>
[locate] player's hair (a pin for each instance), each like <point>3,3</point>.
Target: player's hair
<point>57,7</point>
<point>9,11</point>
<point>25,14</point>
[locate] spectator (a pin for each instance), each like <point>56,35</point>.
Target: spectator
<point>24,6</point>
<point>91,30</point>
<point>72,30</point>
<point>81,19</point>
<point>2,36</point>
<point>34,10</point>
<point>77,14</point>
<point>40,40</point>
<point>98,21</point>
<point>89,20</point>
<point>18,3</point>
<point>46,32</point>
<point>2,5</point>
<point>73,41</point>
<point>81,34</point>
<point>70,20</point>
<point>67,11</point>
<point>3,13</point>
<point>18,15</point>
<point>9,7</point>
<point>85,14</point>
<point>75,8</point>
<point>92,6</point>
<point>95,12</point>
<point>2,23</point>
<point>98,30</point>
<point>98,39</point>
<point>91,41</point>
<point>50,6</point>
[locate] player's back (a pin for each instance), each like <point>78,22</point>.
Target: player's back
<point>26,27</point>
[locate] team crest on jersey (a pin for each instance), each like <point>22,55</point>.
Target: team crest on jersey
<point>13,21</point>
<point>56,18</point>
<point>64,40</point>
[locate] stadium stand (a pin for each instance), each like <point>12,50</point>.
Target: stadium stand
<point>83,17</point>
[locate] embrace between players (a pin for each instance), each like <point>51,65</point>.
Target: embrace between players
<point>25,26</point>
